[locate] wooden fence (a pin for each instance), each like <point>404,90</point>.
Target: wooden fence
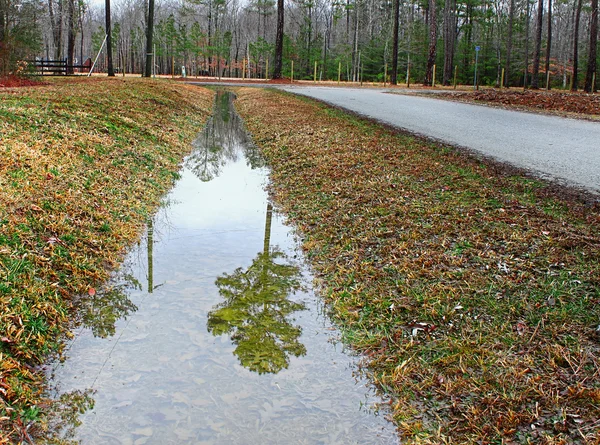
<point>59,67</point>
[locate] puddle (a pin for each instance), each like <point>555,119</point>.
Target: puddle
<point>211,333</point>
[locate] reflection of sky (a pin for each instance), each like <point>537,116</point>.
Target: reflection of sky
<point>228,201</point>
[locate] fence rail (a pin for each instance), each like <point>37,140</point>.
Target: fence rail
<point>58,67</point>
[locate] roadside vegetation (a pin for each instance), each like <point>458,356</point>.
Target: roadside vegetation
<point>472,289</point>
<point>83,164</point>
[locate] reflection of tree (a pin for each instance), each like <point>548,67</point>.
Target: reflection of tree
<point>101,311</point>
<point>218,144</point>
<point>255,309</point>
<point>150,250</point>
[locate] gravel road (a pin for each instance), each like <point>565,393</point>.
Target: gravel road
<point>567,150</point>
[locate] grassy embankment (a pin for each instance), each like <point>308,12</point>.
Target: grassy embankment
<point>473,292</point>
<point>83,163</point>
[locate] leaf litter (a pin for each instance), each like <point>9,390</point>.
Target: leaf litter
<point>473,292</point>
<point>83,163</point>
<point>581,105</point>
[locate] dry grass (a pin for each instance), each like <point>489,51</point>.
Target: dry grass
<point>474,294</point>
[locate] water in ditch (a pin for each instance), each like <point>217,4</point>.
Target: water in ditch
<point>211,333</point>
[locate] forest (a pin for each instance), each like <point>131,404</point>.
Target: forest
<point>513,43</point>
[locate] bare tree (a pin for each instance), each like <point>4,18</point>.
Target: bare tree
<point>394,75</point>
<point>3,21</point>
<point>538,45</point>
<point>548,45</point>
<point>149,32</point>
<point>576,45</point>
<point>509,42</point>
<point>279,42</point>
<point>449,39</point>
<point>70,36</point>
<point>432,43</point>
<point>109,59</point>
<point>56,23</point>
<point>591,65</point>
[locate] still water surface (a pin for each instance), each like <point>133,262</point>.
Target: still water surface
<point>211,333</point>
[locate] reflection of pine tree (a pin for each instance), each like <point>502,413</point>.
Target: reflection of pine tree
<point>255,309</point>
<point>220,141</point>
<point>101,311</point>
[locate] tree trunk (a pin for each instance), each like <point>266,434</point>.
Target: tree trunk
<point>509,42</point>
<point>591,66</point>
<point>526,73</point>
<point>432,43</point>
<point>56,24</point>
<point>538,46</point>
<point>549,45</point>
<point>394,74</point>
<point>149,32</point>
<point>355,61</point>
<point>109,59</point>
<point>449,39</point>
<point>80,21</point>
<point>279,42</point>
<point>575,45</point>
<point>468,38</point>
<point>3,11</point>
<point>71,36</point>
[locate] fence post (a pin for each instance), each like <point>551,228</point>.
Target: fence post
<point>339,72</point>
<point>292,71</point>
<point>315,74</point>
<point>433,77</point>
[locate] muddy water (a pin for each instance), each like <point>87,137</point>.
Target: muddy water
<point>210,333</point>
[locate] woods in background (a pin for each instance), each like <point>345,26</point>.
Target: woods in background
<point>526,43</point>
